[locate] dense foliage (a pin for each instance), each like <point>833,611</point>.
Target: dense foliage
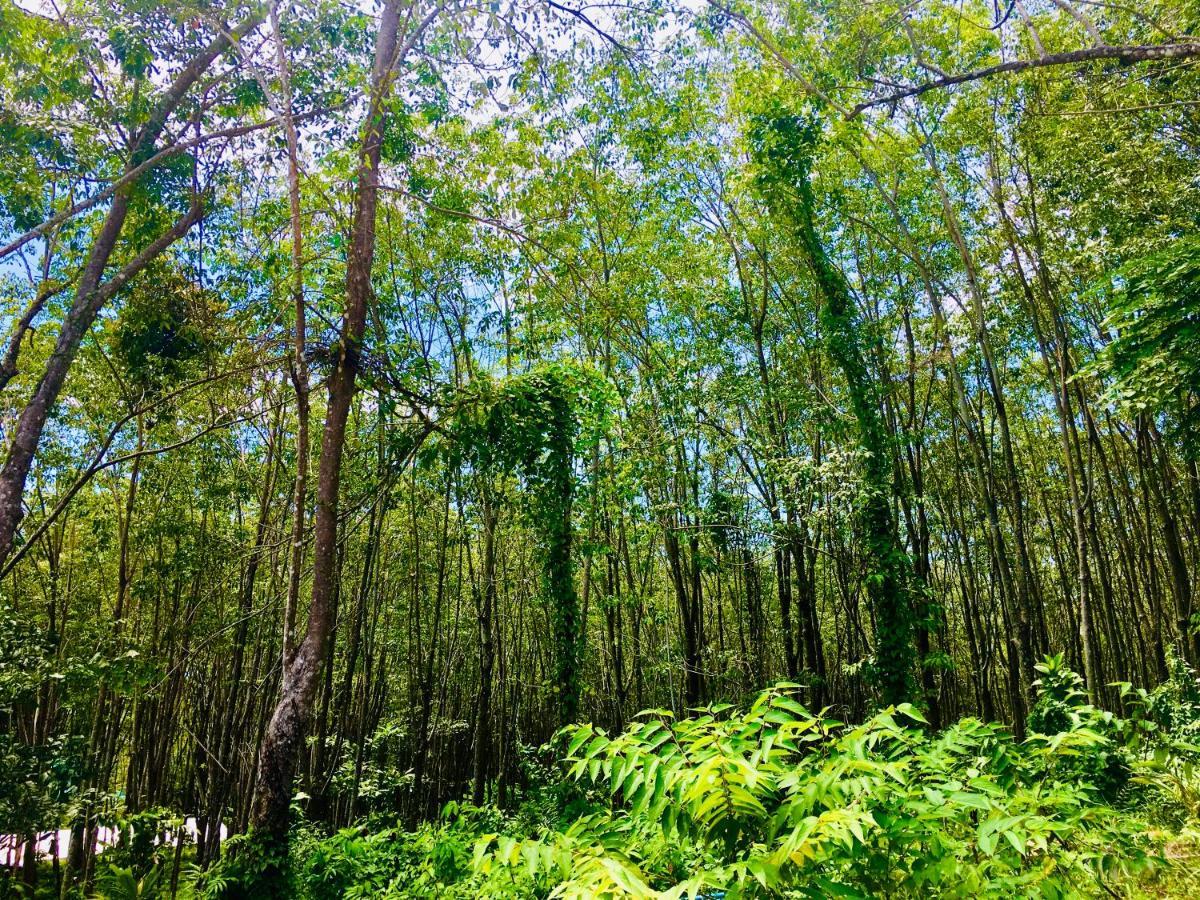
<point>531,424</point>
<point>773,800</point>
<point>389,387</point>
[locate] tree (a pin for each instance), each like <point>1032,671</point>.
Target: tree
<point>783,147</point>
<point>93,290</point>
<point>281,740</point>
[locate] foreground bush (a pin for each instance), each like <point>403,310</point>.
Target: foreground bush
<point>775,801</point>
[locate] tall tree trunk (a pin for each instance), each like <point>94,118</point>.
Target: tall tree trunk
<point>784,157</point>
<point>299,364</point>
<point>290,719</point>
<point>485,605</point>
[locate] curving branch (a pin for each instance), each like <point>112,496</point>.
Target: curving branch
<point>1125,54</point>
<point>98,462</point>
<point>132,174</point>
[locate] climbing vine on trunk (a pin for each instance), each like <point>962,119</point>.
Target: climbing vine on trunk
<point>530,424</point>
<point>782,146</point>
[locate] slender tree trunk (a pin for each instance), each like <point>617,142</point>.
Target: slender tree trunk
<point>91,294</point>
<point>299,364</point>
<point>485,607</point>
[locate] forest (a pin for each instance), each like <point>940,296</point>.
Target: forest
<point>703,449</point>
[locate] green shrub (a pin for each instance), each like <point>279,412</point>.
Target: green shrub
<point>1101,758</point>
<point>119,883</point>
<point>368,861</point>
<point>1163,729</point>
<point>776,801</point>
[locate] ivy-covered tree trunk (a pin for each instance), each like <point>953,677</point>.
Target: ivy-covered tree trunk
<point>556,495</point>
<point>531,425</point>
<point>782,146</point>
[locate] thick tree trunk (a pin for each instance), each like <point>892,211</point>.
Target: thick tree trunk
<point>293,712</point>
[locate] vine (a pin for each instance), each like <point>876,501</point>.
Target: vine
<point>531,424</point>
<point>782,145</point>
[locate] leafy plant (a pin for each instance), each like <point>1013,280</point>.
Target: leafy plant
<point>778,799</point>
<point>1062,713</point>
<point>1153,361</point>
<point>123,883</point>
<point>773,800</point>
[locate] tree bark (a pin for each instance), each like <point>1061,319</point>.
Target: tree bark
<point>91,294</point>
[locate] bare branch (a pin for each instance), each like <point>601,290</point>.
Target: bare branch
<point>1126,54</point>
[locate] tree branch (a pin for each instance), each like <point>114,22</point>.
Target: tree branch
<point>1124,54</point>
<point>143,167</point>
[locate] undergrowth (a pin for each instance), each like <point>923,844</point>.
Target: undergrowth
<point>774,800</point>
